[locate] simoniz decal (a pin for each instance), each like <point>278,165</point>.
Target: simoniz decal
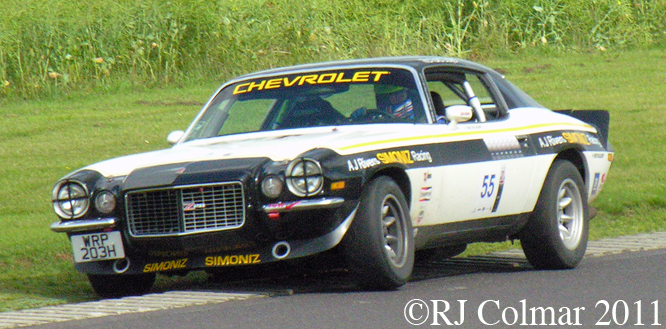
<point>310,79</point>
<point>165,266</point>
<point>404,157</point>
<point>389,157</point>
<point>576,138</point>
<point>231,260</point>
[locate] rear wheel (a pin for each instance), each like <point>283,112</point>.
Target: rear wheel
<point>556,234</point>
<point>379,244</point>
<point>121,285</point>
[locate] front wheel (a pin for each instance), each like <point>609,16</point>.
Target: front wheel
<point>380,244</point>
<point>556,234</point>
<point>121,285</point>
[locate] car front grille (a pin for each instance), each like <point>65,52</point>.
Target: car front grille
<point>185,210</point>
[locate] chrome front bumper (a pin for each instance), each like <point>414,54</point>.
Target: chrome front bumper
<point>323,203</point>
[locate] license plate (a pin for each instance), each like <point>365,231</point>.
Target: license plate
<point>97,246</point>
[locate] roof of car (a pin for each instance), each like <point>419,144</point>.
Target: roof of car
<point>417,62</point>
<point>513,95</point>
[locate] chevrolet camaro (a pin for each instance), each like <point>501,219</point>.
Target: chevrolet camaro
<point>377,160</point>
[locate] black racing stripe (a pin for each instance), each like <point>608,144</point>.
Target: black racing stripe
<point>499,147</point>
<point>419,156</point>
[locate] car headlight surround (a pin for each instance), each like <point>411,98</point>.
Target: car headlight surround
<point>105,202</point>
<point>271,186</point>
<point>304,177</point>
<point>70,199</point>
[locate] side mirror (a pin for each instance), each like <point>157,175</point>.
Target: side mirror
<point>175,136</point>
<point>459,113</point>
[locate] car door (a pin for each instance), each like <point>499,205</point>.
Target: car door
<point>484,173</point>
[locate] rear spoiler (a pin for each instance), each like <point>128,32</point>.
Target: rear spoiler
<point>599,119</point>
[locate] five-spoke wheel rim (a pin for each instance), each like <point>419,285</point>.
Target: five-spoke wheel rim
<point>570,215</point>
<point>393,231</point>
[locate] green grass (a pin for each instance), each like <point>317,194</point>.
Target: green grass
<point>40,141</point>
<point>56,47</point>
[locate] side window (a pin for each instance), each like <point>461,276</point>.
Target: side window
<point>487,102</point>
<point>447,88</point>
<point>447,94</point>
<point>479,89</point>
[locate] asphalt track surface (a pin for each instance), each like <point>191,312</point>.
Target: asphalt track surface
<point>619,283</point>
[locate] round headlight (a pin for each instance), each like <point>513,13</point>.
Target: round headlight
<point>304,177</point>
<point>105,202</point>
<point>271,186</point>
<point>70,199</point>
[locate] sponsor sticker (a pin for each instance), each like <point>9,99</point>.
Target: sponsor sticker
<point>550,141</point>
<point>310,79</point>
<point>568,138</point>
<point>165,266</point>
<point>595,184</point>
<point>426,194</point>
<point>404,157</point>
<point>232,260</point>
<point>421,156</point>
<point>361,163</point>
<point>576,138</point>
<point>427,176</point>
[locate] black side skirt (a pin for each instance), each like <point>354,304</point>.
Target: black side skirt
<point>495,229</point>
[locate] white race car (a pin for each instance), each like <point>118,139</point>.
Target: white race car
<point>374,160</point>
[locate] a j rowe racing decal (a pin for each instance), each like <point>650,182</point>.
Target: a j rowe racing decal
<point>388,157</point>
<point>310,79</point>
<point>231,260</point>
<point>568,138</point>
<point>165,266</point>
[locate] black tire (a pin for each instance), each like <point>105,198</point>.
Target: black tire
<point>380,243</point>
<point>121,285</point>
<point>555,237</point>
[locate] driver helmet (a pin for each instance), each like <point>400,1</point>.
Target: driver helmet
<point>394,100</point>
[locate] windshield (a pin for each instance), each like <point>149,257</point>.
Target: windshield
<point>312,99</point>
